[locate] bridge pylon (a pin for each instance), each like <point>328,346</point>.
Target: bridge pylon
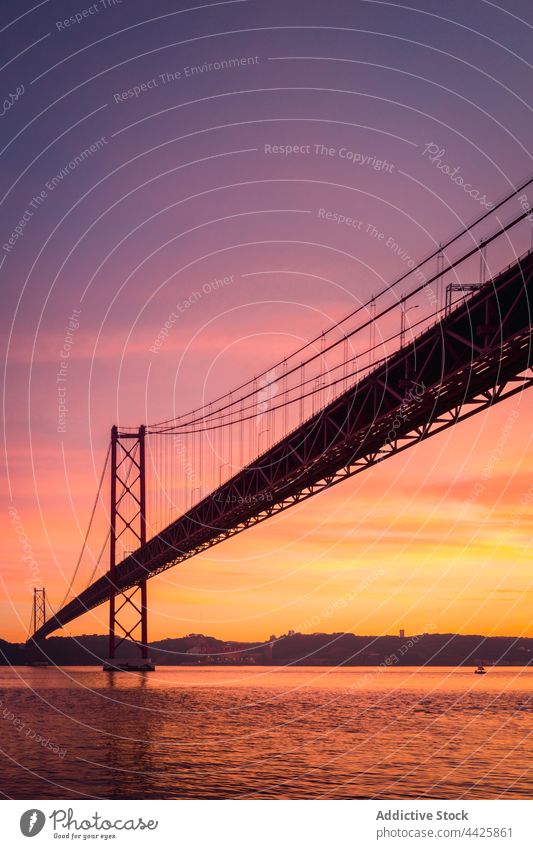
<point>128,611</point>
<point>38,613</point>
<point>34,652</point>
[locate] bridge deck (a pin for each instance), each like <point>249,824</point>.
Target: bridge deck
<point>476,356</point>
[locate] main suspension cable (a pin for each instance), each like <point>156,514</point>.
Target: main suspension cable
<point>177,427</point>
<point>442,247</point>
<point>93,511</point>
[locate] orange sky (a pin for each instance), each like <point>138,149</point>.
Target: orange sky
<point>434,539</point>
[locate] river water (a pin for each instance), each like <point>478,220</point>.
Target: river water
<point>266,732</point>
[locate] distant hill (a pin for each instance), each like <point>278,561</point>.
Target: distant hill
<point>11,653</point>
<point>302,649</point>
<point>417,650</point>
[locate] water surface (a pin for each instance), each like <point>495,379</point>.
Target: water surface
<point>266,732</point>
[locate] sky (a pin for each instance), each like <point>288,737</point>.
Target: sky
<point>151,150</point>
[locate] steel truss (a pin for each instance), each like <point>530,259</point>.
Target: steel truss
<point>476,356</point>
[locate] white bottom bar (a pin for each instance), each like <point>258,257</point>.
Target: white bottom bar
<point>308,824</point>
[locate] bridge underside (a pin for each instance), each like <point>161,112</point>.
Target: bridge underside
<point>476,356</point>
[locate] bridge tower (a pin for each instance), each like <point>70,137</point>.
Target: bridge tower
<point>128,612</point>
<point>35,654</point>
<point>38,614</point>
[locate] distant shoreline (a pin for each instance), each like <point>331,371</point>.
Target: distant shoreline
<point>293,649</point>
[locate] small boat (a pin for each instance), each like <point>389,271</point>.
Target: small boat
<point>480,670</point>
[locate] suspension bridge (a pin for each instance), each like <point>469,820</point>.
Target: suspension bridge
<point>370,386</point>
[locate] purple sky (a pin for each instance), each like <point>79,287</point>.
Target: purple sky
<point>188,181</point>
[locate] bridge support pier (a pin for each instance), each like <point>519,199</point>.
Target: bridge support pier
<point>128,609</point>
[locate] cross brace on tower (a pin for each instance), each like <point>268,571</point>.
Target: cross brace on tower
<point>128,612</point>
